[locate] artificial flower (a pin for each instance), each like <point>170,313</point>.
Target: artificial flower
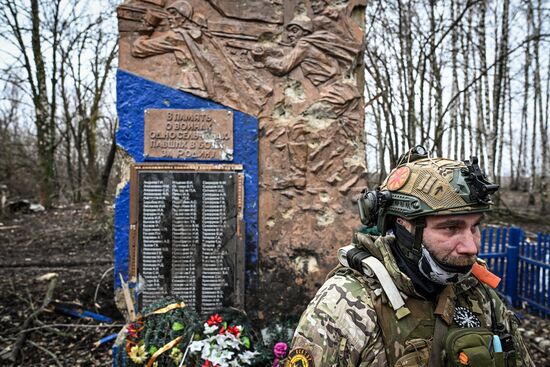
<point>223,345</point>
<point>215,319</point>
<point>280,350</point>
<point>176,355</point>
<point>132,331</point>
<point>235,330</point>
<point>209,329</point>
<point>138,354</point>
<point>196,346</point>
<point>246,356</point>
<point>207,363</point>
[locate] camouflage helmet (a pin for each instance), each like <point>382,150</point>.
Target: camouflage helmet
<point>420,186</point>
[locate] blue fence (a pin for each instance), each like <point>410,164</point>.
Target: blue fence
<point>522,263</point>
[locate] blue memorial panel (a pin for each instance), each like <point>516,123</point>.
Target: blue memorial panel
<point>134,96</point>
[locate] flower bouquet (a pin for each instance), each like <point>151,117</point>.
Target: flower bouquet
<point>223,343</point>
<point>159,337</point>
<point>169,334</point>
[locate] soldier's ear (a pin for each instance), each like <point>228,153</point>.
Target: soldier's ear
<point>405,223</point>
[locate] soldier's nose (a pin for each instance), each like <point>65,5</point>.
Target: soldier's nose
<point>468,244</point>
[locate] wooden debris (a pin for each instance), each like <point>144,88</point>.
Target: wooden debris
<point>13,357</point>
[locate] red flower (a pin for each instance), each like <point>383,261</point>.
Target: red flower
<point>234,330</point>
<point>207,363</point>
<point>222,330</point>
<point>134,329</point>
<point>214,320</point>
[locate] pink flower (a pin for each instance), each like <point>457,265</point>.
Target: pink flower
<point>280,350</point>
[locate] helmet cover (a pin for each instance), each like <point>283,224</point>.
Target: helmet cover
<point>434,186</point>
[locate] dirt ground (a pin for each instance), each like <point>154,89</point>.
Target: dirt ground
<point>79,248</point>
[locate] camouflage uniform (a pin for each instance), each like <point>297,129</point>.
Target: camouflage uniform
<point>349,322</point>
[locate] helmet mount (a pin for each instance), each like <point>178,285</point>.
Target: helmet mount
<point>420,186</point>
<point>480,187</point>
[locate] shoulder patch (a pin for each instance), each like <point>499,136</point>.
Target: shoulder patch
<point>399,178</point>
<point>300,357</point>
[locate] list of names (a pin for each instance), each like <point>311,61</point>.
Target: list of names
<point>187,239</point>
<point>153,240</point>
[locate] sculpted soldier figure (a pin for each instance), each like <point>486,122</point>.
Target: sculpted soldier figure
<point>416,295</point>
<point>205,68</point>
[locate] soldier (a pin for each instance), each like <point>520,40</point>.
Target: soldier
<point>417,295</point>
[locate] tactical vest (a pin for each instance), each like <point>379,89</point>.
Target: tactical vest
<point>408,340</point>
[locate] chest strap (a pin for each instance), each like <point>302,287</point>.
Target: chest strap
<point>362,261</point>
<point>443,318</point>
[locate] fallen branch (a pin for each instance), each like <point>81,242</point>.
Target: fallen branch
<point>74,325</point>
<point>47,351</point>
<point>69,264</point>
<point>8,227</point>
<point>28,322</point>
<point>99,284</point>
<point>53,330</point>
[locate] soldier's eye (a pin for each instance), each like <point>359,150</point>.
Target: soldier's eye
<point>451,229</point>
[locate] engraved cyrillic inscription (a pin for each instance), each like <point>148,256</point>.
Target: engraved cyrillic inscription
<point>189,134</point>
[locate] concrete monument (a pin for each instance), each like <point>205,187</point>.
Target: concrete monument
<point>294,68</point>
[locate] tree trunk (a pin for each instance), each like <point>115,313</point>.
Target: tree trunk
<point>436,82</point>
<point>465,117</point>
<point>536,99</point>
<point>45,133</point>
<point>523,153</point>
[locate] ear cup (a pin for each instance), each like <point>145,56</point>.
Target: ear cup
<point>368,208</point>
<point>370,204</point>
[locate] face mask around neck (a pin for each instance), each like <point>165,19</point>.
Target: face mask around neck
<point>440,273</point>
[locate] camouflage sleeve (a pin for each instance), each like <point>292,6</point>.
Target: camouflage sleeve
<point>511,322</point>
<point>339,328</point>
<point>523,358</point>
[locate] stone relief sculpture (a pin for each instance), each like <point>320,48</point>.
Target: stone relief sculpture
<point>178,40</point>
<point>206,69</point>
<point>294,64</point>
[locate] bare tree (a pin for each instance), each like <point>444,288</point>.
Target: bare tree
<point>62,61</point>
<point>21,23</point>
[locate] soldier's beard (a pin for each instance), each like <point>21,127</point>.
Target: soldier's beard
<point>452,260</point>
<point>463,260</point>
<point>444,273</point>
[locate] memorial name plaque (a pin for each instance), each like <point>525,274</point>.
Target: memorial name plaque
<point>189,134</point>
<point>188,241</point>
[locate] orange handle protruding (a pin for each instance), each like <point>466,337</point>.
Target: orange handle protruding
<point>463,358</point>
<point>485,276</point>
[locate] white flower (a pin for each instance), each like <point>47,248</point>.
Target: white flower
<point>227,354</point>
<point>246,356</point>
<point>219,358</point>
<point>206,351</point>
<point>196,346</point>
<point>227,341</point>
<point>222,349</point>
<point>210,329</point>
